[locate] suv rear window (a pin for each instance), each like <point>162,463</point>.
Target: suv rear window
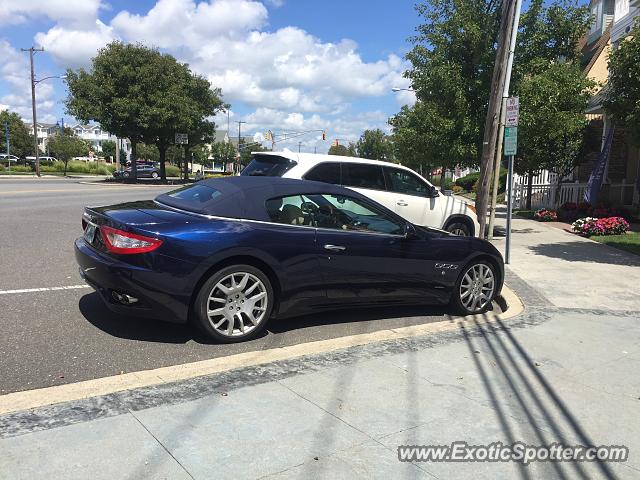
<point>362,175</point>
<point>268,166</point>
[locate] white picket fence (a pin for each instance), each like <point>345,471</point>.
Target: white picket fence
<point>545,195</point>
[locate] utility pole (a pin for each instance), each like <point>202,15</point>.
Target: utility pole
<point>299,146</point>
<point>239,122</point>
<point>505,95</point>
<point>491,123</point>
<point>32,51</point>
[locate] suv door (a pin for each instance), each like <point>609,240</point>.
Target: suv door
<point>413,199</point>
<point>367,179</point>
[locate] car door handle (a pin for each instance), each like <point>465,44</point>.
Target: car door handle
<point>335,248</point>
<point>402,203</point>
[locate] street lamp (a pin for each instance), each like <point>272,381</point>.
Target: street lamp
<point>399,89</point>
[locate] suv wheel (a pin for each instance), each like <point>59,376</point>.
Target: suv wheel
<point>234,304</point>
<point>459,228</point>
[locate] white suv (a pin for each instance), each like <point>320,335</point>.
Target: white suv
<point>396,187</point>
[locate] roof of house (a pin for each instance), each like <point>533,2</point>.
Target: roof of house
<point>590,53</point>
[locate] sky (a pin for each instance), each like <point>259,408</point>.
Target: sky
<point>284,65</point>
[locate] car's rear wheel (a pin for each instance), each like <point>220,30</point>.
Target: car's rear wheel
<point>475,288</point>
<point>234,304</point>
<point>459,228</point>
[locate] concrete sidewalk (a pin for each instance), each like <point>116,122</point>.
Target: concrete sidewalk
<point>564,371</point>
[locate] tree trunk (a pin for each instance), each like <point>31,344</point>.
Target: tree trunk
<point>66,162</point>
<point>163,157</point>
<point>134,160</point>
<point>529,189</point>
<point>442,178</point>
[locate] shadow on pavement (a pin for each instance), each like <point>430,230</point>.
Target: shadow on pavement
<point>585,252</point>
<point>515,386</point>
<point>350,321</point>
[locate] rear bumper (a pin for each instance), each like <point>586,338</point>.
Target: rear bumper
<point>107,275</point>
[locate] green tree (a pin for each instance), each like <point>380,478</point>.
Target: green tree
<point>64,146</point>
<point>375,145</point>
<point>148,152</point>
<point>109,149</point>
<point>138,93</point>
<point>20,139</point>
<point>340,149</point>
<point>223,152</point>
<point>246,149</point>
<point>623,89</point>
<point>552,122</point>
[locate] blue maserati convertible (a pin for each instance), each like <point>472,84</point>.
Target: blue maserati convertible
<point>229,254</point>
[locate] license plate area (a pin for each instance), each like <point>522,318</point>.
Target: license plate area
<point>90,233</point>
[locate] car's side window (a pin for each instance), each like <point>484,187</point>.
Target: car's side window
<point>336,212</point>
<point>327,172</point>
<point>401,181</point>
<point>291,210</point>
<point>340,212</point>
<point>363,175</point>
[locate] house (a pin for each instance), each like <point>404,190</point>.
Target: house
<point>609,148</point>
<point>44,131</point>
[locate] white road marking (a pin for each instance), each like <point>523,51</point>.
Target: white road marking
<point>43,289</point>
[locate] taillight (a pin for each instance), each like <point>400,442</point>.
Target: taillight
<point>119,241</point>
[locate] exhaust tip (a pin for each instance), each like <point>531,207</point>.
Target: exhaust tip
<point>123,298</point>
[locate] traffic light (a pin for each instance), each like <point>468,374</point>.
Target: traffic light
<point>266,135</point>
<point>324,135</point>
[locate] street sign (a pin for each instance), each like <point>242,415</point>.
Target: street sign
<point>512,111</point>
<point>182,138</point>
<point>510,141</point>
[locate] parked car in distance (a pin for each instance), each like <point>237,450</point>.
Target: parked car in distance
<point>395,186</point>
<point>41,159</point>
<point>142,171</point>
<point>8,159</point>
<point>229,253</point>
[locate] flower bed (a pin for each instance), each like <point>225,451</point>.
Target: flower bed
<point>600,226</point>
<point>546,215</point>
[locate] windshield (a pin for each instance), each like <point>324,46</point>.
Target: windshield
<point>268,166</point>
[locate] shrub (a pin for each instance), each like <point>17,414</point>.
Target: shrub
<point>457,189</point>
<point>545,215</point>
<point>21,168</point>
<point>468,181</point>
<point>600,226</point>
<point>172,171</point>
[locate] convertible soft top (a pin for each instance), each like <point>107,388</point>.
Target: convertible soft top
<point>245,197</point>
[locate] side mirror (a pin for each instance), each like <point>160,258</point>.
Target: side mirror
<point>433,191</point>
<point>410,232</point>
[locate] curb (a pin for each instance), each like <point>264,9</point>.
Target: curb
<point>107,184</point>
<point>29,399</point>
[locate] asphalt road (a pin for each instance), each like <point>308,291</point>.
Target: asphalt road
<point>62,336</point>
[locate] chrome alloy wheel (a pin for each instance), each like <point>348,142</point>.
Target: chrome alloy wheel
<point>237,304</point>
<point>459,231</point>
<point>477,287</point>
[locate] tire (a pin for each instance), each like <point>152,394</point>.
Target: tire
<point>233,305</point>
<point>459,228</point>
<point>154,175</point>
<point>470,286</point>
<point>126,174</point>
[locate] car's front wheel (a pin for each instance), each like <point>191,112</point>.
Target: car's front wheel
<point>154,175</point>
<point>475,288</point>
<point>234,304</point>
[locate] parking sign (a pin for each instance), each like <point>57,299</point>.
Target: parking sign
<point>512,112</point>
<point>510,141</point>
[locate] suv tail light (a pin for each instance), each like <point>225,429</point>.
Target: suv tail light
<point>119,241</point>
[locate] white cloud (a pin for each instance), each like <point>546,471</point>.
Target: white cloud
<point>14,73</point>
<point>286,74</point>
<point>73,48</point>
<point>67,12</point>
